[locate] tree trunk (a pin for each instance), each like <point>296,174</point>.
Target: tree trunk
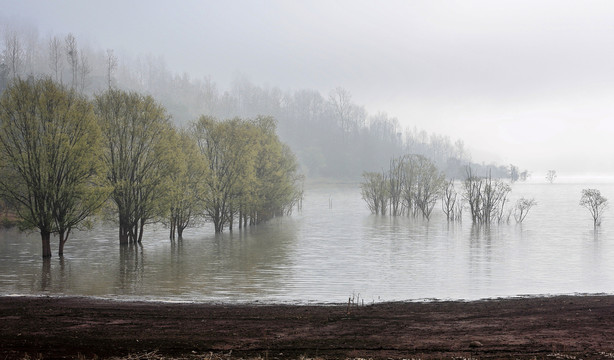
<point>123,232</point>
<point>218,223</point>
<point>141,227</point>
<point>62,242</point>
<point>46,240</point>
<point>173,225</point>
<point>46,274</point>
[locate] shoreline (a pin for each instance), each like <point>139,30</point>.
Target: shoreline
<point>298,303</point>
<point>560,326</point>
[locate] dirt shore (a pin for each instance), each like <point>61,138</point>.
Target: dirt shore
<point>562,327</point>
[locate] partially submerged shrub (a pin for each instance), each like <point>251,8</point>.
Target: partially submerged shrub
<point>595,203</point>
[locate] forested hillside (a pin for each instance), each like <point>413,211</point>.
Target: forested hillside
<point>332,136</point>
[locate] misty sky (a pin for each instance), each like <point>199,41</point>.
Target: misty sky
<point>526,82</point>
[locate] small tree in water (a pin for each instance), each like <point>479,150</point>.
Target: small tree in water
<point>595,203</point>
<point>374,190</point>
<point>550,176</point>
<point>522,208</point>
<point>486,198</point>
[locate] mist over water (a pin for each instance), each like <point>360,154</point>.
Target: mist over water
<point>334,249</point>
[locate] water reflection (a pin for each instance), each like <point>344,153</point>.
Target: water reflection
<point>131,268</point>
<point>45,281</point>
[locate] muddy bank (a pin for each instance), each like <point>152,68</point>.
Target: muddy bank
<point>555,327</point>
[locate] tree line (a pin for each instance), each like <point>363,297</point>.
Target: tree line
<point>64,157</point>
<point>331,135</point>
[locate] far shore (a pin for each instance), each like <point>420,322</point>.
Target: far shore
<point>557,327</point>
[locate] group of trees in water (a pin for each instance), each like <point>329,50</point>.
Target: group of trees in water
<point>413,185</point>
<point>410,186</point>
<point>63,157</point>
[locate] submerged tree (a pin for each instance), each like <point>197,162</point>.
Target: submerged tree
<point>137,139</point>
<point>486,198</point>
<point>50,158</point>
<point>274,189</point>
<point>551,176</point>
<point>429,181</point>
<point>374,191</point>
<point>411,185</point>
<point>396,177</point>
<point>521,210</point>
<point>595,203</point>
<point>185,184</point>
<point>251,174</point>
<point>226,146</point>
<point>448,200</point>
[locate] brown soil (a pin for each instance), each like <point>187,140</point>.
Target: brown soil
<point>562,327</point>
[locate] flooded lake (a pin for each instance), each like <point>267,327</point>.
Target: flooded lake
<point>331,250</point>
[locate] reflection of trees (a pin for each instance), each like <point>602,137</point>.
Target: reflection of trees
<point>131,267</point>
<point>480,250</point>
<point>46,274</point>
<point>178,262</point>
<point>249,262</point>
<point>58,280</point>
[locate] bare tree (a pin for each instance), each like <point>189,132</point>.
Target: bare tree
<point>486,197</point>
<point>448,200</point>
<point>72,55</point>
<point>395,187</point>
<point>551,176</point>
<point>350,116</point>
<point>111,66</point>
<point>514,173</point>
<point>13,54</point>
<point>595,203</point>
<point>429,183</point>
<point>56,65</point>
<point>84,71</point>
<point>342,102</point>
<point>522,208</point>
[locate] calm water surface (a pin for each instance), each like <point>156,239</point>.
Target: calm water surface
<point>329,253</point>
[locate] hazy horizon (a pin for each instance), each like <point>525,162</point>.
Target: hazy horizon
<point>522,82</point>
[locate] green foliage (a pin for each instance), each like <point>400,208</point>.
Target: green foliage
<point>251,174</point>
<point>138,154</point>
<point>50,151</point>
<point>185,183</point>
<point>375,192</point>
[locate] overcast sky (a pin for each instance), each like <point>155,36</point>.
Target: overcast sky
<point>526,82</point>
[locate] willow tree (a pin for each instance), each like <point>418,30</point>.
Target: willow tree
<point>374,191</point>
<point>50,158</point>
<point>430,182</point>
<point>137,136</point>
<point>251,174</point>
<point>229,149</point>
<point>275,174</point>
<point>186,184</point>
